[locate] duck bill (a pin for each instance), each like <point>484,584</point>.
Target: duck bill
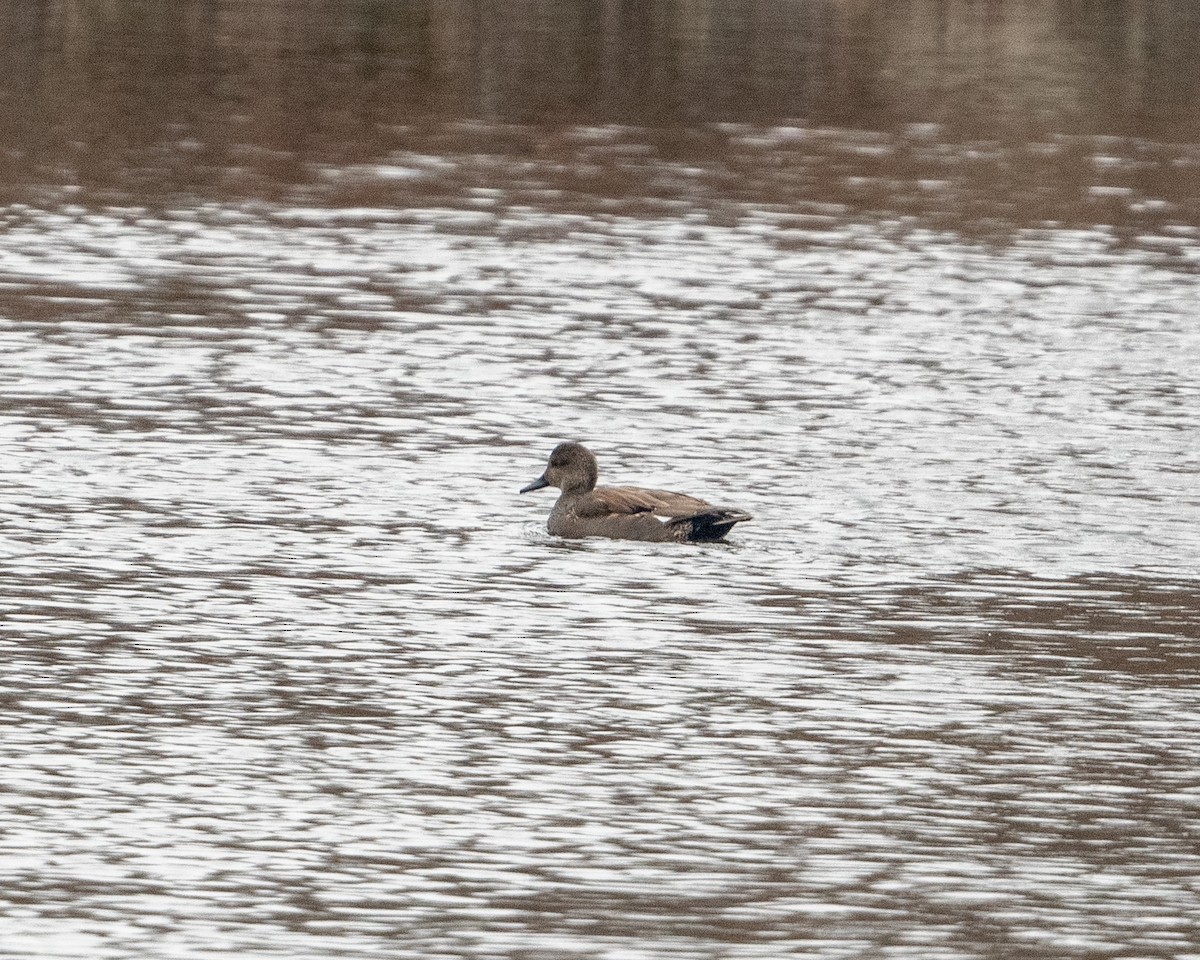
<point>536,485</point>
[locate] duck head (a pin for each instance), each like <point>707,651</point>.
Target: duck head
<point>572,469</point>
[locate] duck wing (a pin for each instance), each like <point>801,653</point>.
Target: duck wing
<point>606,501</point>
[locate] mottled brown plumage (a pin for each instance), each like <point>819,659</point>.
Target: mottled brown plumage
<point>624,513</point>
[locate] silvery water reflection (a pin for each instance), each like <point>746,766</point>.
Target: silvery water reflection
<point>291,671</point>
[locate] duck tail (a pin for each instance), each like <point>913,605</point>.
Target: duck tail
<point>709,526</point>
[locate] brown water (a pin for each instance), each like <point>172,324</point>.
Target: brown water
<point>294,297</point>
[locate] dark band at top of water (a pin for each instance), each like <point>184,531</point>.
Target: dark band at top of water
<point>233,97</point>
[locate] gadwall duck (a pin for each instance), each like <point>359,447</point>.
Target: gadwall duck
<point>624,513</point>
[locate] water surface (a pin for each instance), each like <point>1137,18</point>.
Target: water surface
<point>291,669</point>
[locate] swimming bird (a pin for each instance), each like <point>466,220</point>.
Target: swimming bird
<point>624,513</point>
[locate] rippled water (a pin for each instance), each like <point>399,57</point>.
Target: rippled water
<point>292,671</point>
